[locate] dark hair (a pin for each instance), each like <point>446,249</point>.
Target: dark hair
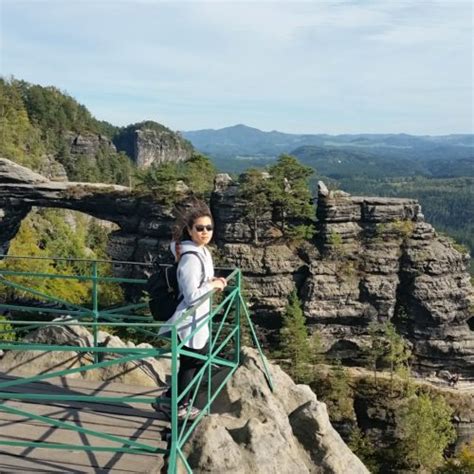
<point>187,218</point>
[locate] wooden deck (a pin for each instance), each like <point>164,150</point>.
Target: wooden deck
<point>128,420</point>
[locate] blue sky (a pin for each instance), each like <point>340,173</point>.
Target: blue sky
<point>381,66</point>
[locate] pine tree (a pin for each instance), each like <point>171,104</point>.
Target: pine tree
<point>254,192</point>
<point>340,393</point>
<point>427,431</point>
<point>377,347</point>
<point>397,351</point>
<point>289,192</point>
<point>161,181</point>
<point>294,343</point>
<point>199,174</point>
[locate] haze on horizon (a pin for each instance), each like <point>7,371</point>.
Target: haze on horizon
<point>369,66</point>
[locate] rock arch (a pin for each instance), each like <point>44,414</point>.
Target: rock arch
<point>138,217</point>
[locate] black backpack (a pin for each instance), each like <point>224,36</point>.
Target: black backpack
<point>163,288</point>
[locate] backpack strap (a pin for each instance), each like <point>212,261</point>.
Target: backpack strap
<point>203,271</point>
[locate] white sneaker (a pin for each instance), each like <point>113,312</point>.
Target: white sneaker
<point>188,411</point>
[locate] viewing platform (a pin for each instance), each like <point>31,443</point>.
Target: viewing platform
<point>129,420</point>
<point>61,406</point>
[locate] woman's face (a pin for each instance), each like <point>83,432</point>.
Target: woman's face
<point>201,231</point>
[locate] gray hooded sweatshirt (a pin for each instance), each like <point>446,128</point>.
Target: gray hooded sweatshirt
<point>189,280</point>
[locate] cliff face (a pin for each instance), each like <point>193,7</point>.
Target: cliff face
<point>88,143</point>
<point>149,142</point>
<point>373,259</point>
<point>145,144</point>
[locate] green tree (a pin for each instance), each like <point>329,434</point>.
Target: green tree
<point>289,192</point>
<point>161,181</point>
<point>397,351</point>
<point>316,348</point>
<point>199,174</point>
<point>340,393</point>
<point>254,191</point>
<point>20,140</point>
<point>365,450</point>
<point>44,234</point>
<point>386,344</point>
<point>376,348</point>
<point>28,242</point>
<point>427,430</point>
<point>294,343</point>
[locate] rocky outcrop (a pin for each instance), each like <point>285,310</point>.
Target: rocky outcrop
<point>381,261</point>
<point>88,143</point>
<point>373,259</point>
<point>52,169</point>
<point>144,372</point>
<point>271,267</point>
<point>85,147</point>
<point>150,142</point>
<point>290,423</point>
<point>21,189</point>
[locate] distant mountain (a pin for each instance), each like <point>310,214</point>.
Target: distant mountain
<point>242,140</point>
<point>239,147</point>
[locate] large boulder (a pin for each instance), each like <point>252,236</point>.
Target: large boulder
<point>254,429</point>
<point>148,372</point>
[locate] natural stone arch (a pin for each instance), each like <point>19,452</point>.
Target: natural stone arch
<point>21,189</point>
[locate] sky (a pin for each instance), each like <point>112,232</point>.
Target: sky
<point>362,66</point>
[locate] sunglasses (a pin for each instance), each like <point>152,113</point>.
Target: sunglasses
<point>200,228</point>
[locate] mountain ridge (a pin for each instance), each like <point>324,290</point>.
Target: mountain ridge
<point>241,130</point>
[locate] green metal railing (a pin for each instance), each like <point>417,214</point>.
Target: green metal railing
<point>224,322</point>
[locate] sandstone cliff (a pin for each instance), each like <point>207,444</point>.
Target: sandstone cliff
<point>373,259</point>
<point>88,143</point>
<point>149,142</point>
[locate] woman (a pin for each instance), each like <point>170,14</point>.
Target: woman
<point>195,279</point>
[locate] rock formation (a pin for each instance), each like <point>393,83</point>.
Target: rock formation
<point>373,259</point>
<point>88,143</point>
<point>147,372</point>
<point>21,189</point>
<point>149,142</point>
<point>252,429</point>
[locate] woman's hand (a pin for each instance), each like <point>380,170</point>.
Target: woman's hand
<point>219,283</point>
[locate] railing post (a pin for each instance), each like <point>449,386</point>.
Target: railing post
<point>95,307</point>
<point>257,345</point>
<point>237,318</point>
<point>209,355</point>
<point>172,463</point>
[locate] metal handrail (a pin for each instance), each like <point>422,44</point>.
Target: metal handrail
<point>225,334</point>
